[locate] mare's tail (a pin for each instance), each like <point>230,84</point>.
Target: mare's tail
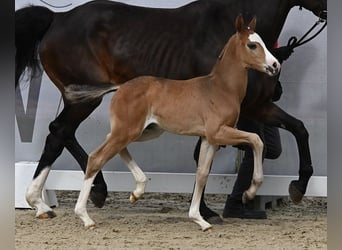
<point>31,23</point>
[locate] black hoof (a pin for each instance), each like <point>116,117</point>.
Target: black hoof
<point>98,195</point>
<point>295,192</point>
<point>210,216</point>
<point>216,220</point>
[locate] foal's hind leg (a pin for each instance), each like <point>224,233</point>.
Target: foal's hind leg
<point>112,145</point>
<point>138,174</point>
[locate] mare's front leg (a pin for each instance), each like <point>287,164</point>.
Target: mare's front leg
<point>275,116</point>
<point>206,156</point>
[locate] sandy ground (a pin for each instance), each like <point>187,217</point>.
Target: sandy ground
<point>159,221</point>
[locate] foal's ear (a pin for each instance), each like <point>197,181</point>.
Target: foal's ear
<point>239,23</point>
<point>252,24</point>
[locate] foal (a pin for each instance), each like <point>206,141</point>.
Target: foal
<point>205,106</point>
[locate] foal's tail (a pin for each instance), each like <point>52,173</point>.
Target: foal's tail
<point>85,93</point>
<point>31,23</point>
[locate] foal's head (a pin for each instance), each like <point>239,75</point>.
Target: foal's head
<point>252,50</point>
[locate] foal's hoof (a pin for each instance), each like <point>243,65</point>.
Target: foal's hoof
<point>133,198</point>
<point>207,228</point>
<point>98,196</point>
<point>90,227</point>
<point>246,197</point>
<point>295,194</point>
<point>47,215</point>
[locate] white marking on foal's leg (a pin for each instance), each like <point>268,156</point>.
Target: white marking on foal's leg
<point>34,195</point>
<point>81,205</point>
<point>139,176</point>
<point>258,171</point>
<point>206,156</point>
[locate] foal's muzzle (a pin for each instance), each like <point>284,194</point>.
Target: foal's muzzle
<point>273,69</point>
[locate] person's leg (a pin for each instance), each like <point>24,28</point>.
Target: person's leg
<point>273,143</point>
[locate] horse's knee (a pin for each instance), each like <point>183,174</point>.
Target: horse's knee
<point>256,141</point>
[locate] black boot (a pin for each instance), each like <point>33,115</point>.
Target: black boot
<point>236,209</point>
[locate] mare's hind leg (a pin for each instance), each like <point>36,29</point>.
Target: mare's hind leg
<point>72,119</point>
<point>62,131</point>
<point>138,174</point>
<point>53,148</point>
<point>275,116</point>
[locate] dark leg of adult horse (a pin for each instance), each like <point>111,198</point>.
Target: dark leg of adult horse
<point>208,214</point>
<point>72,120</point>
<point>98,192</point>
<point>62,134</point>
<point>275,116</point>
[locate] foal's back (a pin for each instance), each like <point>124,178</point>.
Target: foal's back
<point>175,105</point>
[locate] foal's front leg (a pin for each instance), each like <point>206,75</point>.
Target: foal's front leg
<point>206,156</point>
<point>226,135</point>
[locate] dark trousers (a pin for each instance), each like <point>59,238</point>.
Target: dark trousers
<point>272,149</point>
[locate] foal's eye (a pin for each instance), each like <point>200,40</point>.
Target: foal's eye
<point>252,46</point>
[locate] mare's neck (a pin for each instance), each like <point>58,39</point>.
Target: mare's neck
<point>271,19</point>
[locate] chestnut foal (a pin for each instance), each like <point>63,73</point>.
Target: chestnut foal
<point>205,106</point>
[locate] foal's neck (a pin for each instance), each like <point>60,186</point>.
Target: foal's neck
<point>229,74</point>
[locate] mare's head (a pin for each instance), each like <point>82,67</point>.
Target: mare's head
<point>252,50</point>
<point>318,7</point>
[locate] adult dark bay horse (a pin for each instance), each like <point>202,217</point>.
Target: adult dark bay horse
<point>103,42</point>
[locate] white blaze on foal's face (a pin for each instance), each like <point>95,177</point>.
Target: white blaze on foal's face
<point>272,66</point>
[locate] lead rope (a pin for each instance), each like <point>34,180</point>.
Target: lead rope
<point>294,42</point>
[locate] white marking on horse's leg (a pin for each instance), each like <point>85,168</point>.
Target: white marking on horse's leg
<point>138,174</point>
<point>81,205</point>
<point>206,156</point>
<point>34,195</point>
<point>258,171</point>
